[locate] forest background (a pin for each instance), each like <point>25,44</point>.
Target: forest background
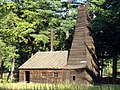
<point>25,29</point>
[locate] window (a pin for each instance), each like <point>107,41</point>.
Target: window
<point>43,74</point>
<point>73,78</point>
<point>55,74</point>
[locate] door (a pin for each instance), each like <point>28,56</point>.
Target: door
<point>27,76</point>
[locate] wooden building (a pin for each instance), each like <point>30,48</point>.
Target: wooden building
<point>44,67</point>
<point>79,66</point>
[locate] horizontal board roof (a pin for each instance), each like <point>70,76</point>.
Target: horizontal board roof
<point>46,60</point>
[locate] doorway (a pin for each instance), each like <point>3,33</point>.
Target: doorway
<point>27,76</point>
<point>73,78</point>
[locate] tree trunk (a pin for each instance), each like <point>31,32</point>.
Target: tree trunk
<point>2,70</point>
<point>114,73</point>
<point>13,67</point>
<point>67,8</point>
<point>10,75</point>
<point>101,75</point>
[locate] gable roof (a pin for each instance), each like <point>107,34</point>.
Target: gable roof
<point>44,60</point>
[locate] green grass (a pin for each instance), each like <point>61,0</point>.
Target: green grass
<point>30,86</point>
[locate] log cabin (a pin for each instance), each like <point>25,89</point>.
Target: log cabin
<point>79,65</point>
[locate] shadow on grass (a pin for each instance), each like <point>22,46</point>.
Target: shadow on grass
<point>105,87</point>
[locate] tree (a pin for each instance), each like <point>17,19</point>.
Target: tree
<point>7,56</point>
<point>25,28</point>
<point>105,27</point>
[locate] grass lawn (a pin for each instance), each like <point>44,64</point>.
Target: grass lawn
<point>30,86</point>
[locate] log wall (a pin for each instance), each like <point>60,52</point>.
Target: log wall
<point>75,76</point>
<point>36,76</point>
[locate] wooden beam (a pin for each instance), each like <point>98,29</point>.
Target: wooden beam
<point>51,39</point>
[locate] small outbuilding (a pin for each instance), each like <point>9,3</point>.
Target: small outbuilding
<point>44,67</point>
<point>51,67</point>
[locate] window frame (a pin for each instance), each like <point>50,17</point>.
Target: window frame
<point>74,78</point>
<point>55,74</point>
<point>43,74</point>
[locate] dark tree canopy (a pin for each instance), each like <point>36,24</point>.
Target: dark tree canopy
<point>105,27</point>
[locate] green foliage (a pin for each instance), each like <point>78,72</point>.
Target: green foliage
<point>25,28</point>
<point>105,28</point>
<point>7,53</point>
<point>106,24</point>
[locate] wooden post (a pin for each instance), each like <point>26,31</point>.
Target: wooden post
<point>51,40</point>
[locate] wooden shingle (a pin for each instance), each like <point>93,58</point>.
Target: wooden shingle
<point>46,60</point>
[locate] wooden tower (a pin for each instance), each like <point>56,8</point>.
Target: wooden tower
<point>82,65</point>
